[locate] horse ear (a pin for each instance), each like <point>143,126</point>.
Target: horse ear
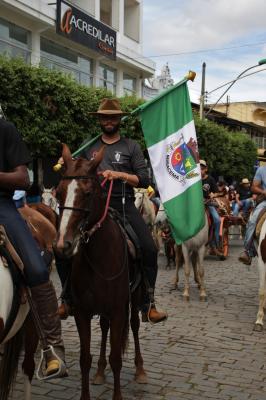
<point>98,157</point>
<point>66,155</point>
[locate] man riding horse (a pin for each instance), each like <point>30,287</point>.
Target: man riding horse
<point>124,164</point>
<point>14,157</point>
<point>210,191</point>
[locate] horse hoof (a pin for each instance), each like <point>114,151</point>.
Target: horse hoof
<point>185,297</point>
<point>141,378</point>
<point>203,298</point>
<point>98,380</point>
<point>258,328</point>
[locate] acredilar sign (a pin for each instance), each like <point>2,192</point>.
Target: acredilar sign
<point>81,28</point>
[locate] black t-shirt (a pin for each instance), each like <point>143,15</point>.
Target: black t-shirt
<point>244,192</point>
<point>125,155</point>
<point>209,185</point>
<point>13,151</point>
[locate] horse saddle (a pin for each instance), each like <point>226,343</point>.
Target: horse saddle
<point>260,221</point>
<point>133,246</point>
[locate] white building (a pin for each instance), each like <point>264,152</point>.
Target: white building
<point>154,85</point>
<point>106,50</point>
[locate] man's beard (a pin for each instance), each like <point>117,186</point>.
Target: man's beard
<point>110,131</point>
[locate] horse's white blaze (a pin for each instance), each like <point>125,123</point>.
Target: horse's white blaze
<point>70,198</point>
<point>6,291</point>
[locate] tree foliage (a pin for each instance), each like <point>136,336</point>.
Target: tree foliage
<point>49,107</point>
<point>230,154</point>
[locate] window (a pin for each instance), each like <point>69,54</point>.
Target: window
<point>14,40</point>
<point>54,56</point>
<point>107,78</point>
<point>132,19</point>
<point>129,85</point>
<point>106,12</point>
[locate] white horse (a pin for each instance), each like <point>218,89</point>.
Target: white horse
<point>145,206</point>
<point>261,250</point>
<point>10,343</point>
<point>193,251</point>
<point>49,199</point>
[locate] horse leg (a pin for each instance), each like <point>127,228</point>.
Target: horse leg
<point>84,329</point>
<point>262,295</point>
<point>187,272</point>
<point>99,378</point>
<point>178,264</point>
<point>28,365</point>
<point>200,274</point>
<point>140,375</point>
<point>117,326</point>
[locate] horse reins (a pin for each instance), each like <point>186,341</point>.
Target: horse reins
<point>86,235</point>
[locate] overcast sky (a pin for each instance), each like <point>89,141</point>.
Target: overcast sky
<point>202,26</point>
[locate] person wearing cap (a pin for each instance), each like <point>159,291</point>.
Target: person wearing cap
<point>123,163</point>
<point>210,191</point>
<point>258,188</point>
<point>244,199</point>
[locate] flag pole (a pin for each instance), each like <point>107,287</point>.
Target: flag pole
<point>189,77</point>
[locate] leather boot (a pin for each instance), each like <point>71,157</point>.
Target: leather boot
<point>64,310</point>
<point>154,316</point>
<point>151,314</point>
<point>44,297</point>
<point>245,258</point>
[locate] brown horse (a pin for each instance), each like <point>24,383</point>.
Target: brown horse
<point>46,211</point>
<point>44,233</point>
<point>100,274</point>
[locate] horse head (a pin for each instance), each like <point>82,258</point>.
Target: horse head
<point>81,201</point>
<point>139,198</point>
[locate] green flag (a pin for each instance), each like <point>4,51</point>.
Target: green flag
<point>169,132</point>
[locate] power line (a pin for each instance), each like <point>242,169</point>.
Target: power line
<point>205,50</point>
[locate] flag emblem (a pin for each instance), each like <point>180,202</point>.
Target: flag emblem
<point>179,161</point>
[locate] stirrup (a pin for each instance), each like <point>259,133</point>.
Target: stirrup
<point>40,373</point>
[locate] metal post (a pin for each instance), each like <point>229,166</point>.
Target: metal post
<point>202,95</point>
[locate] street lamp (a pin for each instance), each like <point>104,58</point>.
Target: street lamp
<point>260,62</point>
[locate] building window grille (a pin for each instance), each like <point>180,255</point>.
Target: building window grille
<point>108,78</point>
<point>14,41</point>
<point>129,85</point>
<point>54,56</point>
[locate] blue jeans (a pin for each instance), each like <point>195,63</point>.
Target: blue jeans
<point>36,271</point>
<point>216,222</point>
<point>251,226</point>
<point>245,205</point>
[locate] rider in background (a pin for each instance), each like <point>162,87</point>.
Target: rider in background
<point>14,158</point>
<point>123,163</point>
<point>258,188</point>
<point>244,199</point>
<point>210,191</point>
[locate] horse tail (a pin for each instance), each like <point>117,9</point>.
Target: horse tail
<point>9,364</point>
<point>125,333</point>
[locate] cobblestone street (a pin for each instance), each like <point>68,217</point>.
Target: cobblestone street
<point>205,350</point>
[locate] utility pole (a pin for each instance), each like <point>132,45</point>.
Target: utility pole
<point>202,94</point>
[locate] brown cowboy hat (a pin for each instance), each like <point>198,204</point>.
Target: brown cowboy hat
<point>109,107</point>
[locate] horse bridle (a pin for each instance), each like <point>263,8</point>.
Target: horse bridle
<point>86,234</point>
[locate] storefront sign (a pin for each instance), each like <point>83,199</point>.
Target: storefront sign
<point>81,28</point>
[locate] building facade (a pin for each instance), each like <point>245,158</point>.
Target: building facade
<point>98,42</point>
<point>250,112</point>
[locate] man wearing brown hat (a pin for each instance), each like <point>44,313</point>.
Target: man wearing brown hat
<point>124,164</point>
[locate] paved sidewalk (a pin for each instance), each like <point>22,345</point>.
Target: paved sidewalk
<point>203,351</point>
